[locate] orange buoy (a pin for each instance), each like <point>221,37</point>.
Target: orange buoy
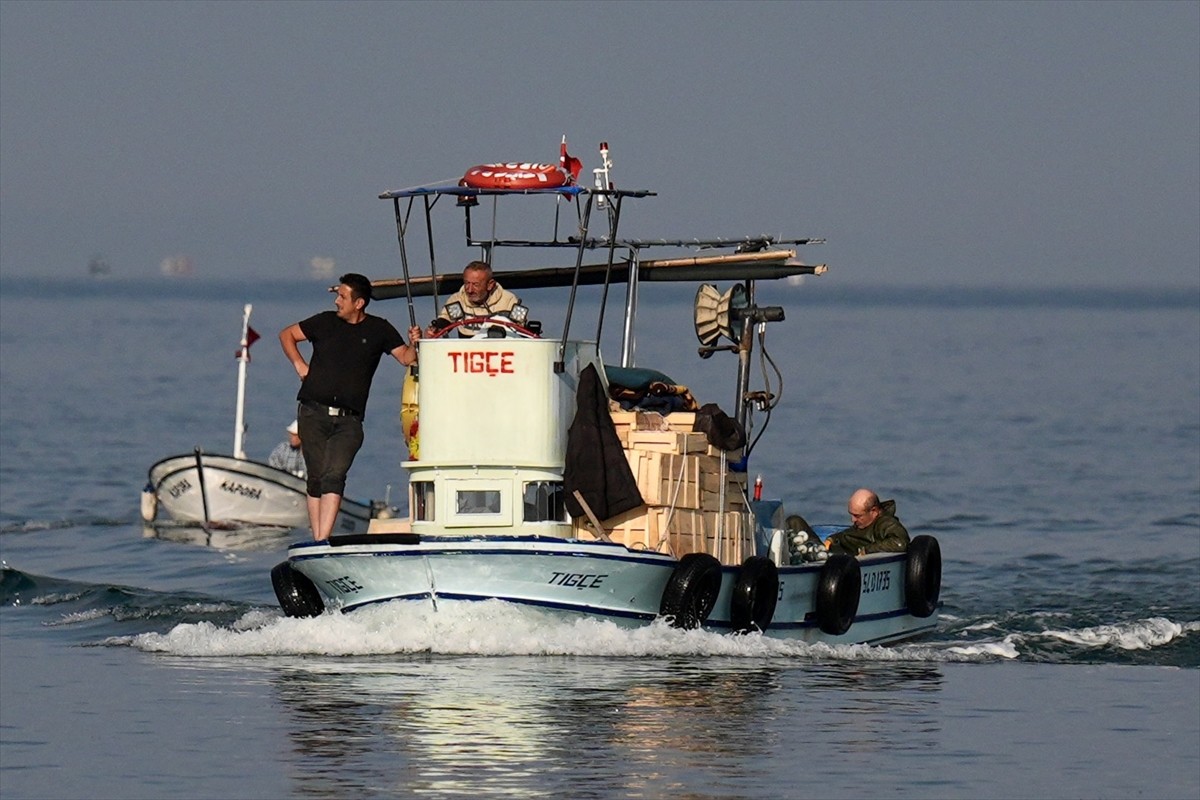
<point>514,175</point>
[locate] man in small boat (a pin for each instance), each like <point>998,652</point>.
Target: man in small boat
<point>347,345</point>
<point>480,296</point>
<point>875,530</point>
<point>287,455</point>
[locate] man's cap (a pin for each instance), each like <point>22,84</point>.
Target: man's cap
<point>294,428</point>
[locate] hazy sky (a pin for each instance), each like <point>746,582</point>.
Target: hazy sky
<point>930,143</point>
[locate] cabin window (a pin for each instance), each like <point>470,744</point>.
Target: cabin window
<point>477,501</point>
<point>422,501</point>
<point>544,502</point>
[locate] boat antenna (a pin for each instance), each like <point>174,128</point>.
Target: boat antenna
<point>600,176</point>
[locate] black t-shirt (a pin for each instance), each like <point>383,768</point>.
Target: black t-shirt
<point>344,358</point>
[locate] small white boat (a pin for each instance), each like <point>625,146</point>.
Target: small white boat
<point>220,490</point>
<point>210,488</point>
<point>543,513</point>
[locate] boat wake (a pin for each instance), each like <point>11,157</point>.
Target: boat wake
<point>494,628</point>
<point>108,608</point>
<point>196,626</point>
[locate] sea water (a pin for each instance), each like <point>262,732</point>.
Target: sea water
<point>1049,440</point>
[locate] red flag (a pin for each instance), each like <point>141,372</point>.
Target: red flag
<point>251,337</point>
<point>568,162</point>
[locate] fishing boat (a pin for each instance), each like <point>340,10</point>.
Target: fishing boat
<point>214,490</point>
<point>603,490</point>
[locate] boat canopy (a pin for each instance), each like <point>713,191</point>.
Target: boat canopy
<point>763,265</point>
<point>590,223</point>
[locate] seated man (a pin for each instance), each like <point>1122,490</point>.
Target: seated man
<point>480,296</point>
<point>287,455</point>
<point>875,530</point>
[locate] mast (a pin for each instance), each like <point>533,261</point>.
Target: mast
<point>239,425</point>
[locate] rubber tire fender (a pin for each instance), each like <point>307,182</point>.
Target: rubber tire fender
<point>838,591</point>
<point>298,596</point>
<point>691,592</point>
<point>755,593</point>
<point>923,576</point>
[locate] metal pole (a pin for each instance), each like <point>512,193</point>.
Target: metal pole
<point>432,257</point>
<point>614,219</point>
<point>203,488</point>
<point>239,420</point>
<point>400,224</point>
<point>562,347</point>
<point>745,346</point>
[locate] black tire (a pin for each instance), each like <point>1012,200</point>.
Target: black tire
<point>755,594</point>
<point>838,590</point>
<point>297,595</point>
<point>923,576</point>
<point>691,591</point>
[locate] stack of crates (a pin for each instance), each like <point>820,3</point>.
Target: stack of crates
<point>680,477</point>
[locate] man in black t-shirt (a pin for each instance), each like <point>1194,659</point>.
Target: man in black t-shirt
<point>347,345</point>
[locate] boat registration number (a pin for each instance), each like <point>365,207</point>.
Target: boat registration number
<point>876,581</point>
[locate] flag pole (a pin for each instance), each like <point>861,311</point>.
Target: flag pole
<point>239,425</point>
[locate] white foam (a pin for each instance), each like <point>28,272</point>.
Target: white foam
<point>1006,648</point>
<point>1140,635</point>
<point>79,616</point>
<point>983,626</point>
<point>55,598</point>
<point>489,628</point>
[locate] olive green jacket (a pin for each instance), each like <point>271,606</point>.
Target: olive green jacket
<point>884,535</point>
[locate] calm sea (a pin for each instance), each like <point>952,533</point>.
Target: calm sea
<point>1049,439</point>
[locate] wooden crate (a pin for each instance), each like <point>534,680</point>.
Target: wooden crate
<point>668,442</point>
<point>666,478</point>
<point>679,531</point>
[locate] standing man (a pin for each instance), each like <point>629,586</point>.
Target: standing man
<point>480,296</point>
<point>875,530</point>
<point>347,345</point>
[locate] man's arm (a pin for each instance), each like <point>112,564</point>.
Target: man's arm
<point>290,338</point>
<point>406,354</point>
<point>893,538</point>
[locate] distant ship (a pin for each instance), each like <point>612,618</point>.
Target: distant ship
<point>176,266</point>
<point>98,266</point>
<point>321,267</point>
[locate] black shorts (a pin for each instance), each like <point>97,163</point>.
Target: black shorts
<point>329,445</point>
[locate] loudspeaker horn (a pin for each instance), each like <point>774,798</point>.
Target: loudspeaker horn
<point>716,315</point>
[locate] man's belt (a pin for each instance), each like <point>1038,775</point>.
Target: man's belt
<point>332,411</point>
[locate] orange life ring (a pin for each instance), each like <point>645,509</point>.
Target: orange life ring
<point>515,175</point>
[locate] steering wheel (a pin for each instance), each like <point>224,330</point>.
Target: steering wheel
<point>511,328</point>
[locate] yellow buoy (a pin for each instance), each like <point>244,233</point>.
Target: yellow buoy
<point>408,414</point>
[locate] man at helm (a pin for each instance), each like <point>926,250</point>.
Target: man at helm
<point>480,296</point>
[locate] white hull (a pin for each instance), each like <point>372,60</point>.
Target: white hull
<point>582,578</point>
<point>210,488</point>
